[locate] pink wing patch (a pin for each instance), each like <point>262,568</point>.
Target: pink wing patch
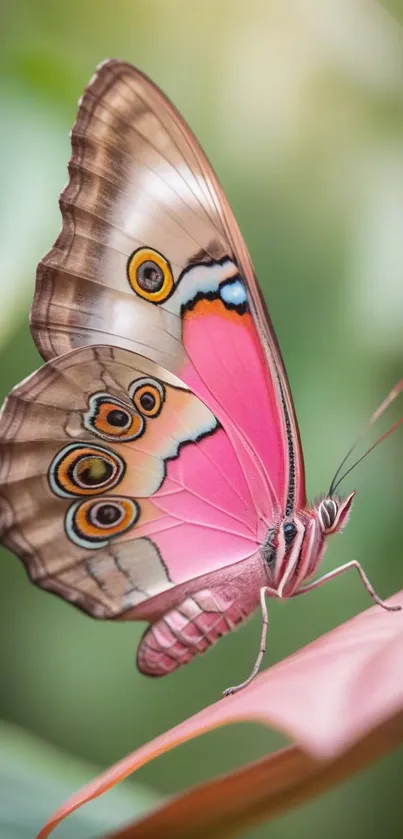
<point>227,365</point>
<point>206,516</point>
<point>229,373</point>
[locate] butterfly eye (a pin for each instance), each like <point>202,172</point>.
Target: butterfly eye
<point>327,512</point>
<point>150,275</point>
<point>289,532</point>
<point>84,470</point>
<point>111,419</point>
<point>148,396</point>
<point>90,524</point>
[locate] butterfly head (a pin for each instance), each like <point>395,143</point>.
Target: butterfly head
<point>294,549</point>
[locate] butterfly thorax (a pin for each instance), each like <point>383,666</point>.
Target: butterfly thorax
<point>294,548</point>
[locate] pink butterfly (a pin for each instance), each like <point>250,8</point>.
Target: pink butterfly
<point>152,469</point>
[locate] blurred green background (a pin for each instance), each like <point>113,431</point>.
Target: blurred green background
<point>298,104</point>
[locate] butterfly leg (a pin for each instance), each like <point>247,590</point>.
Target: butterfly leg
<point>340,570</point>
<point>262,649</point>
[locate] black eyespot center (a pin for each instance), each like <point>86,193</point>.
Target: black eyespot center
<point>92,471</point>
<point>118,418</point>
<point>106,514</point>
<point>150,276</point>
<point>147,401</point>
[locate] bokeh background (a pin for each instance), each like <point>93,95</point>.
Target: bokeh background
<point>298,104</point>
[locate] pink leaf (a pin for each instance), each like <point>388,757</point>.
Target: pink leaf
<point>226,806</point>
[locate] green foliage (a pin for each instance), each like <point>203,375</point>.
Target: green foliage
<point>35,778</point>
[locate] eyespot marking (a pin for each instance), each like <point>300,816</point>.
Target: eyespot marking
<point>111,419</point>
<point>92,523</point>
<point>148,396</point>
<point>150,275</point>
<point>84,470</point>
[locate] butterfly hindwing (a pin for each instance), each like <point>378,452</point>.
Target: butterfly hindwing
<point>118,483</point>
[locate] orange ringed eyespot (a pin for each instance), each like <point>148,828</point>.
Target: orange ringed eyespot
<point>84,470</point>
<point>148,396</point>
<point>111,419</point>
<point>91,523</point>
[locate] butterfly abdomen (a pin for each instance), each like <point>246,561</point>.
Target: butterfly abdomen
<point>191,628</point>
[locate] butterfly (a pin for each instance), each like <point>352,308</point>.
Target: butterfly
<point>152,469</point>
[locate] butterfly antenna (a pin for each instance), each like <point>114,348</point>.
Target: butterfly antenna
<point>394,393</point>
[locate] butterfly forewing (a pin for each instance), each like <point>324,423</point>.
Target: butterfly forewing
<point>140,183</point>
